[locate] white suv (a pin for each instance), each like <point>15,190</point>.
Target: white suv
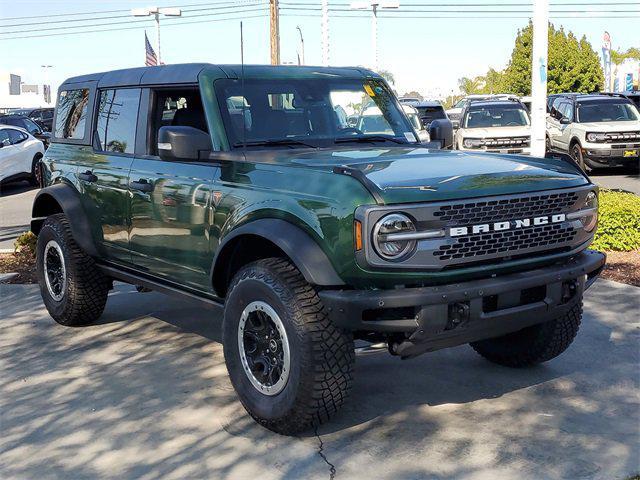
<point>595,130</point>
<point>497,126</point>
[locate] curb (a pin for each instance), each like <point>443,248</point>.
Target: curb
<point>6,250</point>
<point>7,276</point>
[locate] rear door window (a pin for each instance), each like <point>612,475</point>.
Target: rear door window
<point>72,114</point>
<point>117,119</point>
<point>16,136</point>
<point>4,137</point>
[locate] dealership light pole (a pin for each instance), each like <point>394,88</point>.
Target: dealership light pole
<point>325,32</point>
<point>156,12</point>
<point>301,53</point>
<point>374,5</point>
<point>539,77</point>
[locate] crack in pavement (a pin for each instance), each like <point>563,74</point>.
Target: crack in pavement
<point>332,467</point>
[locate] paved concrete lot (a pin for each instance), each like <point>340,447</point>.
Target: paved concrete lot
<point>144,394</point>
<point>629,181</point>
<point>15,211</point>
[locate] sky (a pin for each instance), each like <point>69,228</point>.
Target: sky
<point>424,53</point>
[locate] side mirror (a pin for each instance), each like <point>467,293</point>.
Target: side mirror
<point>455,124</point>
<point>565,121</point>
<point>182,143</point>
<point>441,130</point>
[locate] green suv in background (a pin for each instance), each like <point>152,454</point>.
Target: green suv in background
<point>247,188</point>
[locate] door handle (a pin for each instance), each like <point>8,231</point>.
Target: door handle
<point>142,185</point>
<point>88,176</point>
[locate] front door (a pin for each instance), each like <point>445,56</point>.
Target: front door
<point>171,207</point>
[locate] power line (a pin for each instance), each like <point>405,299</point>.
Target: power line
<point>128,22</point>
<point>99,12</point>
<point>227,6</point>
<point>262,15</point>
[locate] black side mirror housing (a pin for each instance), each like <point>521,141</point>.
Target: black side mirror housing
<point>183,143</point>
<point>565,121</point>
<point>441,130</point>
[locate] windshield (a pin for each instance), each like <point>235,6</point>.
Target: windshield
<point>496,116</point>
<point>461,103</point>
<point>606,112</point>
<point>428,114</point>
<point>310,112</point>
<point>415,121</point>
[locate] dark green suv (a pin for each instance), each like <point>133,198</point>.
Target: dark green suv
<point>247,188</point>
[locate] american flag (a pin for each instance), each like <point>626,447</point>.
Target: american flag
<point>151,59</point>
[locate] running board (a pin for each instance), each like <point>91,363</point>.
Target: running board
<point>159,286</point>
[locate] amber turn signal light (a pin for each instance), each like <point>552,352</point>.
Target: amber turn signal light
<point>357,234</point>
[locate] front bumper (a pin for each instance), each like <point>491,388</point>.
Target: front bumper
<point>615,156</point>
<point>503,150</point>
<point>443,316</point>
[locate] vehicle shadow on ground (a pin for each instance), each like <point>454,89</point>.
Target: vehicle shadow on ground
<point>14,188</point>
<point>145,393</point>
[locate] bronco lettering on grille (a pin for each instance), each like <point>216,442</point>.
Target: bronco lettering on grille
<point>506,225</point>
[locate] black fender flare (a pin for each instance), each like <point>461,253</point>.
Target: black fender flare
<point>297,244</point>
<point>68,199</point>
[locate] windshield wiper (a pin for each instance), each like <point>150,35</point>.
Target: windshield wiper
<point>269,143</point>
<point>370,138</point>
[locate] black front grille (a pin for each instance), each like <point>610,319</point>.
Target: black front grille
<point>506,142</point>
<point>470,213</point>
<point>547,236</point>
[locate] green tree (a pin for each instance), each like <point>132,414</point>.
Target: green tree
<point>469,86</point>
<point>618,57</point>
<point>388,76</point>
<point>573,65</point>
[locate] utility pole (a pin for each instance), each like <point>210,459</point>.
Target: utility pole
<point>539,77</point>
<point>325,32</point>
<point>274,12</point>
<point>156,12</point>
<point>301,53</point>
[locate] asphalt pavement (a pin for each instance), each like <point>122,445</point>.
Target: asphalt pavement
<point>144,394</point>
<point>15,211</point>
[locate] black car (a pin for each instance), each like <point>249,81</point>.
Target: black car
<point>27,124</point>
<point>42,116</point>
<point>429,111</point>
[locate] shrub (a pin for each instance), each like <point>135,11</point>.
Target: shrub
<point>618,222</point>
<point>26,243</point>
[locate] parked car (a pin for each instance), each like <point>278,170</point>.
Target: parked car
<point>27,124</point>
<point>595,130</point>
<point>414,117</point>
<point>498,126</point>
<point>308,233</point>
<point>42,116</point>
<point>430,110</point>
<point>454,113</point>
<point>20,155</point>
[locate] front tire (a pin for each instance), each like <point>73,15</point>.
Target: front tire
<point>290,366</point>
<point>36,171</point>
<point>578,157</point>
<point>73,288</point>
<point>532,345</point>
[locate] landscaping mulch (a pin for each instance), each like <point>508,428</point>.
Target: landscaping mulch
<point>623,267</point>
<point>21,263</point>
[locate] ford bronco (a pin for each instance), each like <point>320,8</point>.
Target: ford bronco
<point>245,188</point>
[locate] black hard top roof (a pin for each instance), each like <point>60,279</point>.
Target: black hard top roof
<point>189,72</point>
<point>426,103</point>
<point>493,103</point>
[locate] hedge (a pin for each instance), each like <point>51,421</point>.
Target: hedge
<point>618,222</point>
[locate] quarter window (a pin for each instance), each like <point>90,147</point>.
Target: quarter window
<point>72,113</point>
<point>117,119</point>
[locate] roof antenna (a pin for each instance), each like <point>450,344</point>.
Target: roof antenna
<point>244,101</point>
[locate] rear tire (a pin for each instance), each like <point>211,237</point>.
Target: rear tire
<point>320,357</point>
<point>73,288</point>
<point>532,345</point>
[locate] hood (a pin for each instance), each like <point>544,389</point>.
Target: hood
<point>496,132</point>
<point>415,174</point>
<point>603,127</point>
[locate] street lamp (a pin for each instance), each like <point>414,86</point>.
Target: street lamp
<point>374,5</point>
<point>301,53</point>
<point>156,12</point>
<point>46,86</point>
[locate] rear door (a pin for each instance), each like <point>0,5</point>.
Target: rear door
<point>171,208</point>
<point>103,173</point>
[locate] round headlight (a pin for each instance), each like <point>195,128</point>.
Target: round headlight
<point>591,137</point>
<point>589,222</point>
<point>385,230</point>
